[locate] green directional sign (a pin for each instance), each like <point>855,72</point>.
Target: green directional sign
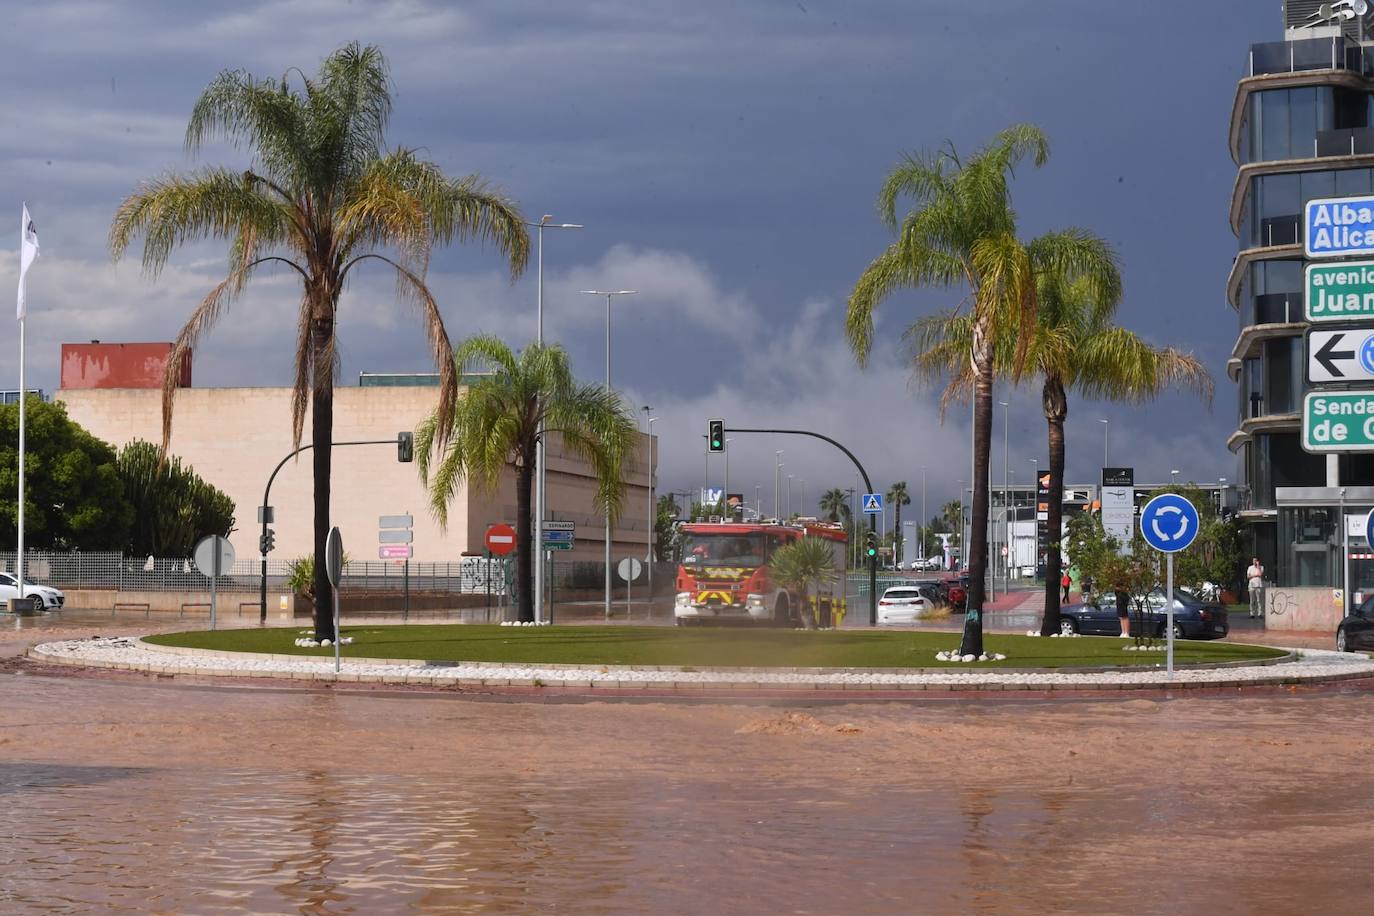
<point>1340,292</point>
<point>1338,421</point>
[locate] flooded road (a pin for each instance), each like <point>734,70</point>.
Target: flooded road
<point>140,796</point>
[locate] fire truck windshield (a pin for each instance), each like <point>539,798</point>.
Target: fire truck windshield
<point>725,550</point>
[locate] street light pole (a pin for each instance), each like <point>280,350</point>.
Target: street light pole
<point>650,530</point>
<point>608,294</point>
<point>777,483</point>
<point>539,492</point>
<point>925,518</point>
<point>1173,478</point>
<point>1035,515</point>
<point>725,494</point>
<point>789,497</point>
<point>1105,424</point>
<point>1006,525</point>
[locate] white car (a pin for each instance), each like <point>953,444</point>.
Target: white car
<point>41,596</point>
<point>905,604</point>
<point>928,563</point>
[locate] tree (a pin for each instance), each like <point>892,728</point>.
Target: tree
<point>321,198</point>
<point>666,531</point>
<point>898,497</point>
<point>801,564</point>
<point>173,506</point>
<point>834,505</point>
<point>961,232</point>
<point>1072,346</point>
<point>496,423</point>
<point>73,499</point>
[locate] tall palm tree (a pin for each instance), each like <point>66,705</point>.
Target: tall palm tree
<point>1074,346</point>
<point>897,496</point>
<point>835,504</point>
<point>321,198</point>
<point>496,422</point>
<point>960,233</point>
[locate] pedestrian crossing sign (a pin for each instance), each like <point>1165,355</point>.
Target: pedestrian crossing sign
<point>873,503</point>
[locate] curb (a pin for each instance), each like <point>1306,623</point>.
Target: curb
<point>602,682</point>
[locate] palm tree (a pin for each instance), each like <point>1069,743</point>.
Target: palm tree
<point>496,422</point>
<point>799,565</point>
<point>961,232</point>
<point>1074,346</point>
<point>897,496</point>
<point>321,197</point>
<point>835,504</point>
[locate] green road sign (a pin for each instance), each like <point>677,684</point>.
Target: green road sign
<point>1340,292</point>
<point>557,545</point>
<point>1338,421</point>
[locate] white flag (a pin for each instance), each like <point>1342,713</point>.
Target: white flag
<point>28,251</point>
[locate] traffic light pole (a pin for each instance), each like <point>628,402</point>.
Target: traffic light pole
<point>872,520</point>
<point>267,495</point>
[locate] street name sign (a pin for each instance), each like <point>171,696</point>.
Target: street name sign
<point>1340,355</point>
<point>395,521</point>
<point>394,552</point>
<point>1339,292</point>
<point>560,535</point>
<point>1339,227</point>
<point>1338,421</point>
<point>873,503</point>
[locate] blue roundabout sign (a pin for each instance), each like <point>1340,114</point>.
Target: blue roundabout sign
<point>1169,523</point>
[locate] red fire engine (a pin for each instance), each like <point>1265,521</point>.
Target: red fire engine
<point>724,574</point>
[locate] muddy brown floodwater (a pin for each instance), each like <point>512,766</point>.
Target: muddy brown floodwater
<point>146,796</point>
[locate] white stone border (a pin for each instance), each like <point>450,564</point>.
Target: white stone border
<point>132,654</point>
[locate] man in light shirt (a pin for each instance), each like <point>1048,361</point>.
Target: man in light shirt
<point>1255,580</point>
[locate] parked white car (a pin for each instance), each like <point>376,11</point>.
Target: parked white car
<point>905,604</point>
<point>42,596</point>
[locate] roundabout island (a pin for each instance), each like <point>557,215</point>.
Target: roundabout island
<point>609,660</point>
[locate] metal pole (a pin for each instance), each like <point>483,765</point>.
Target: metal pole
<point>607,509</point>
<point>1169,609</point>
<point>214,576</point>
<point>1006,523</point>
<point>925,518</point>
<point>725,449</point>
<point>789,497</point>
<point>651,530</point>
<point>1345,559</point>
<point>405,601</point>
<point>539,456</point>
<point>337,634</point>
<point>777,482</point>
<point>19,556</point>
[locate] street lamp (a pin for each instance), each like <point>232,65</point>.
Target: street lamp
<point>1104,423</point>
<point>1173,479</point>
<point>725,496</point>
<point>925,518</point>
<point>608,294</point>
<point>777,482</point>
<point>1006,525</point>
<point>649,532</point>
<point>789,497</point>
<point>539,494</point>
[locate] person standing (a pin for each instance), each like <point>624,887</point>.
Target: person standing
<point>1255,581</point>
<point>1064,582</point>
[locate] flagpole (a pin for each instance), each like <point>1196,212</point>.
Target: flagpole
<point>19,557</point>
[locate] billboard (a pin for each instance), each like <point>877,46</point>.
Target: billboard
<point>1118,503</point>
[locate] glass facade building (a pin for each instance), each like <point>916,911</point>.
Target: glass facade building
<point>1302,128</point>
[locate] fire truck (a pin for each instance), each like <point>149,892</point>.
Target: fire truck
<point>724,574</point>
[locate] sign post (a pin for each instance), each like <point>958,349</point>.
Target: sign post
<point>1169,523</point>
<point>333,567</point>
<point>629,570</point>
<point>213,555</point>
<point>394,538</point>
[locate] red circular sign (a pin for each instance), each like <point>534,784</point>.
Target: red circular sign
<point>500,539</point>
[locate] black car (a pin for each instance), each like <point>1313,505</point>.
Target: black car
<point>938,587</point>
<point>1357,630</point>
<point>1193,618</point>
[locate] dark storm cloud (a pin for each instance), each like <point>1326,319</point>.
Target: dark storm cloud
<point>724,158</point>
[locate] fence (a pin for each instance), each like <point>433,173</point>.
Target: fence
<point>83,570</point>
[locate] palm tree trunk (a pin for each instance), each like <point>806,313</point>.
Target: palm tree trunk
<point>972,643</point>
<point>1056,411</point>
<point>524,549</point>
<point>322,438</point>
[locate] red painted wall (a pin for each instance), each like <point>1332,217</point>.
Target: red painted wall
<point>119,365</point>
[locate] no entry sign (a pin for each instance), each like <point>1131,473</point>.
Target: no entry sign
<point>500,539</point>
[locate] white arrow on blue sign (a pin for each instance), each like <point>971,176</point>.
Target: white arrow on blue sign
<point>1369,528</point>
<point>873,503</point>
<point>1169,523</point>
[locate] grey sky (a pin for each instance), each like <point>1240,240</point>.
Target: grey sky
<point>724,157</point>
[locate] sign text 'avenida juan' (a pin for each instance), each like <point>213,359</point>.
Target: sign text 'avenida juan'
<point>1340,292</point>
<point>1339,227</point>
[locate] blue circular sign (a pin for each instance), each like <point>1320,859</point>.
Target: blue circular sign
<point>1369,528</point>
<point>1169,523</point>
<point>1367,354</point>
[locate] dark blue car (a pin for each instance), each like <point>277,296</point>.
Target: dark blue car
<point>1193,618</point>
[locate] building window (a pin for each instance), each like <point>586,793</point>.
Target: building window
<point>1309,547</point>
<point>1273,213</point>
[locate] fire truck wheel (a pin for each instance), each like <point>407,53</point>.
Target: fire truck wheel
<point>782,612</point>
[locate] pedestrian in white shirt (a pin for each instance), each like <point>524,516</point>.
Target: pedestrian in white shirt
<point>1255,580</point>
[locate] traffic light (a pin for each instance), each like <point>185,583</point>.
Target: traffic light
<point>267,541</point>
<point>715,437</point>
<point>405,447</point>
<point>871,545</point>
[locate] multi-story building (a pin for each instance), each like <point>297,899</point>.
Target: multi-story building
<point>1302,128</point>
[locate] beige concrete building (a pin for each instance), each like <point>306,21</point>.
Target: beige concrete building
<point>234,437</point>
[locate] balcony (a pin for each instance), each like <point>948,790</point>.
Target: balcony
<point>1355,141</point>
<point>1333,53</point>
